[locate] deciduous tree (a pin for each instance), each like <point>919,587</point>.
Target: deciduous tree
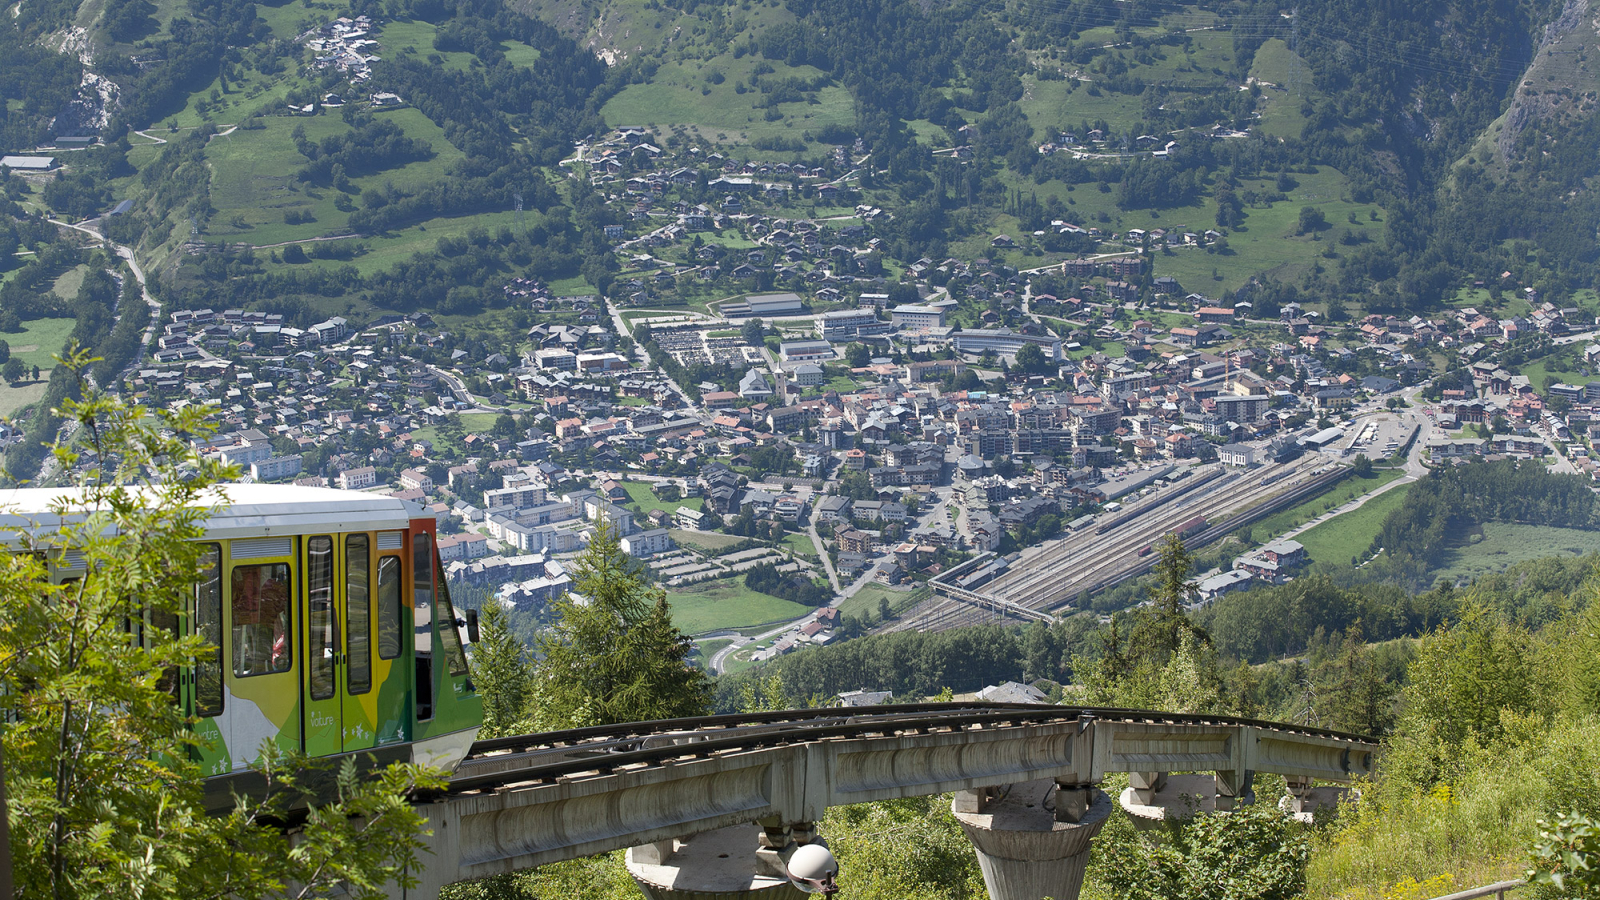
<point>105,800</point>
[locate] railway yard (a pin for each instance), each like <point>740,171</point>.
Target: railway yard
<point>1201,504</point>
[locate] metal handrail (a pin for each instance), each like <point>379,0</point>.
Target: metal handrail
<point>1498,889</point>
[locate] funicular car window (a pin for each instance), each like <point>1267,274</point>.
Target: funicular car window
<point>261,619</point>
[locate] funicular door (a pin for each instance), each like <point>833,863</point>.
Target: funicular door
<point>338,679</point>
<point>324,716</point>
<point>262,616</point>
<point>358,700</point>
<point>203,692</point>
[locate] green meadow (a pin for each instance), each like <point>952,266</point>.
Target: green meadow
<point>727,603</point>
<point>1349,536</point>
<point>253,184</point>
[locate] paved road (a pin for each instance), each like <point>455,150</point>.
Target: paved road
<point>638,349</point>
<point>1415,468</point>
<point>144,288</point>
<point>459,389</point>
<point>822,553</point>
<point>1575,338</point>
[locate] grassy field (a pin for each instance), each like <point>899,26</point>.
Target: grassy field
<point>253,183</point>
<point>1342,493</point>
<point>1342,538</point>
<point>1280,109</point>
<point>39,341</point>
<point>704,650</point>
<point>1054,105</point>
<point>688,93</point>
<point>801,544</point>
<point>1496,545</point>
<point>865,601</point>
<point>646,502</point>
<point>520,54</point>
<point>470,422</point>
<point>1541,375</point>
<point>383,251</point>
<point>727,603</point>
<point>708,541</point>
<point>68,282</point>
<point>15,398</point>
<point>400,35</point>
<point>1265,242</point>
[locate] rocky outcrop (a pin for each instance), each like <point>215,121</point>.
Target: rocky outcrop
<point>1560,81</point>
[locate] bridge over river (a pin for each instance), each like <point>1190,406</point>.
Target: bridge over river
<point>712,807</point>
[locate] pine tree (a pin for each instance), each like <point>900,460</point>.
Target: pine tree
<point>1159,628</point>
<point>614,654</point>
<point>503,673</point>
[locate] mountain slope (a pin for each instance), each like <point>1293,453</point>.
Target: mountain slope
<point>1232,116</point>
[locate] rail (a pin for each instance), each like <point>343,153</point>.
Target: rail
<point>1224,528</point>
<point>528,800</point>
<point>1161,499</point>
<point>1498,889</point>
<point>601,750</point>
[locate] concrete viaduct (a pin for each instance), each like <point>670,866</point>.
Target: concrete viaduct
<point>711,807</point>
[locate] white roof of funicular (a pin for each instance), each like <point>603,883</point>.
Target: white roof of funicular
<point>237,510</point>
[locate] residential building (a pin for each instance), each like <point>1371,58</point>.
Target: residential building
<point>275,468</point>
<point>809,375</point>
<point>647,543</point>
<point>916,317</point>
<point>356,479</point>
<point>416,479</point>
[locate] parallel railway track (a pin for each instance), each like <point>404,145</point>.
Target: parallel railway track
<point>1066,568</point>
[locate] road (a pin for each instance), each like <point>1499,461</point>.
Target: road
<point>822,553</point>
<point>639,351</point>
<point>144,289</point>
<point>48,467</point>
<point>1415,468</point>
<point>1575,338</point>
<point>459,389</point>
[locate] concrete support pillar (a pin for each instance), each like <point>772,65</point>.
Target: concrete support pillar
<point>1235,789</point>
<point>1145,785</point>
<point>1304,801</point>
<point>1032,839</point>
<point>1153,799</point>
<point>743,861</point>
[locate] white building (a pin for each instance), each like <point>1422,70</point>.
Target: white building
<point>356,479</point>
<point>917,317</point>
<point>246,453</point>
<point>28,163</point>
<point>865,698</point>
<point>809,375</point>
<point>274,468</point>
<point>1005,342</point>
<point>462,546</point>
<point>805,351</point>
<point>416,480</point>
<point>513,498</point>
<point>647,543</point>
<point>1236,455</point>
